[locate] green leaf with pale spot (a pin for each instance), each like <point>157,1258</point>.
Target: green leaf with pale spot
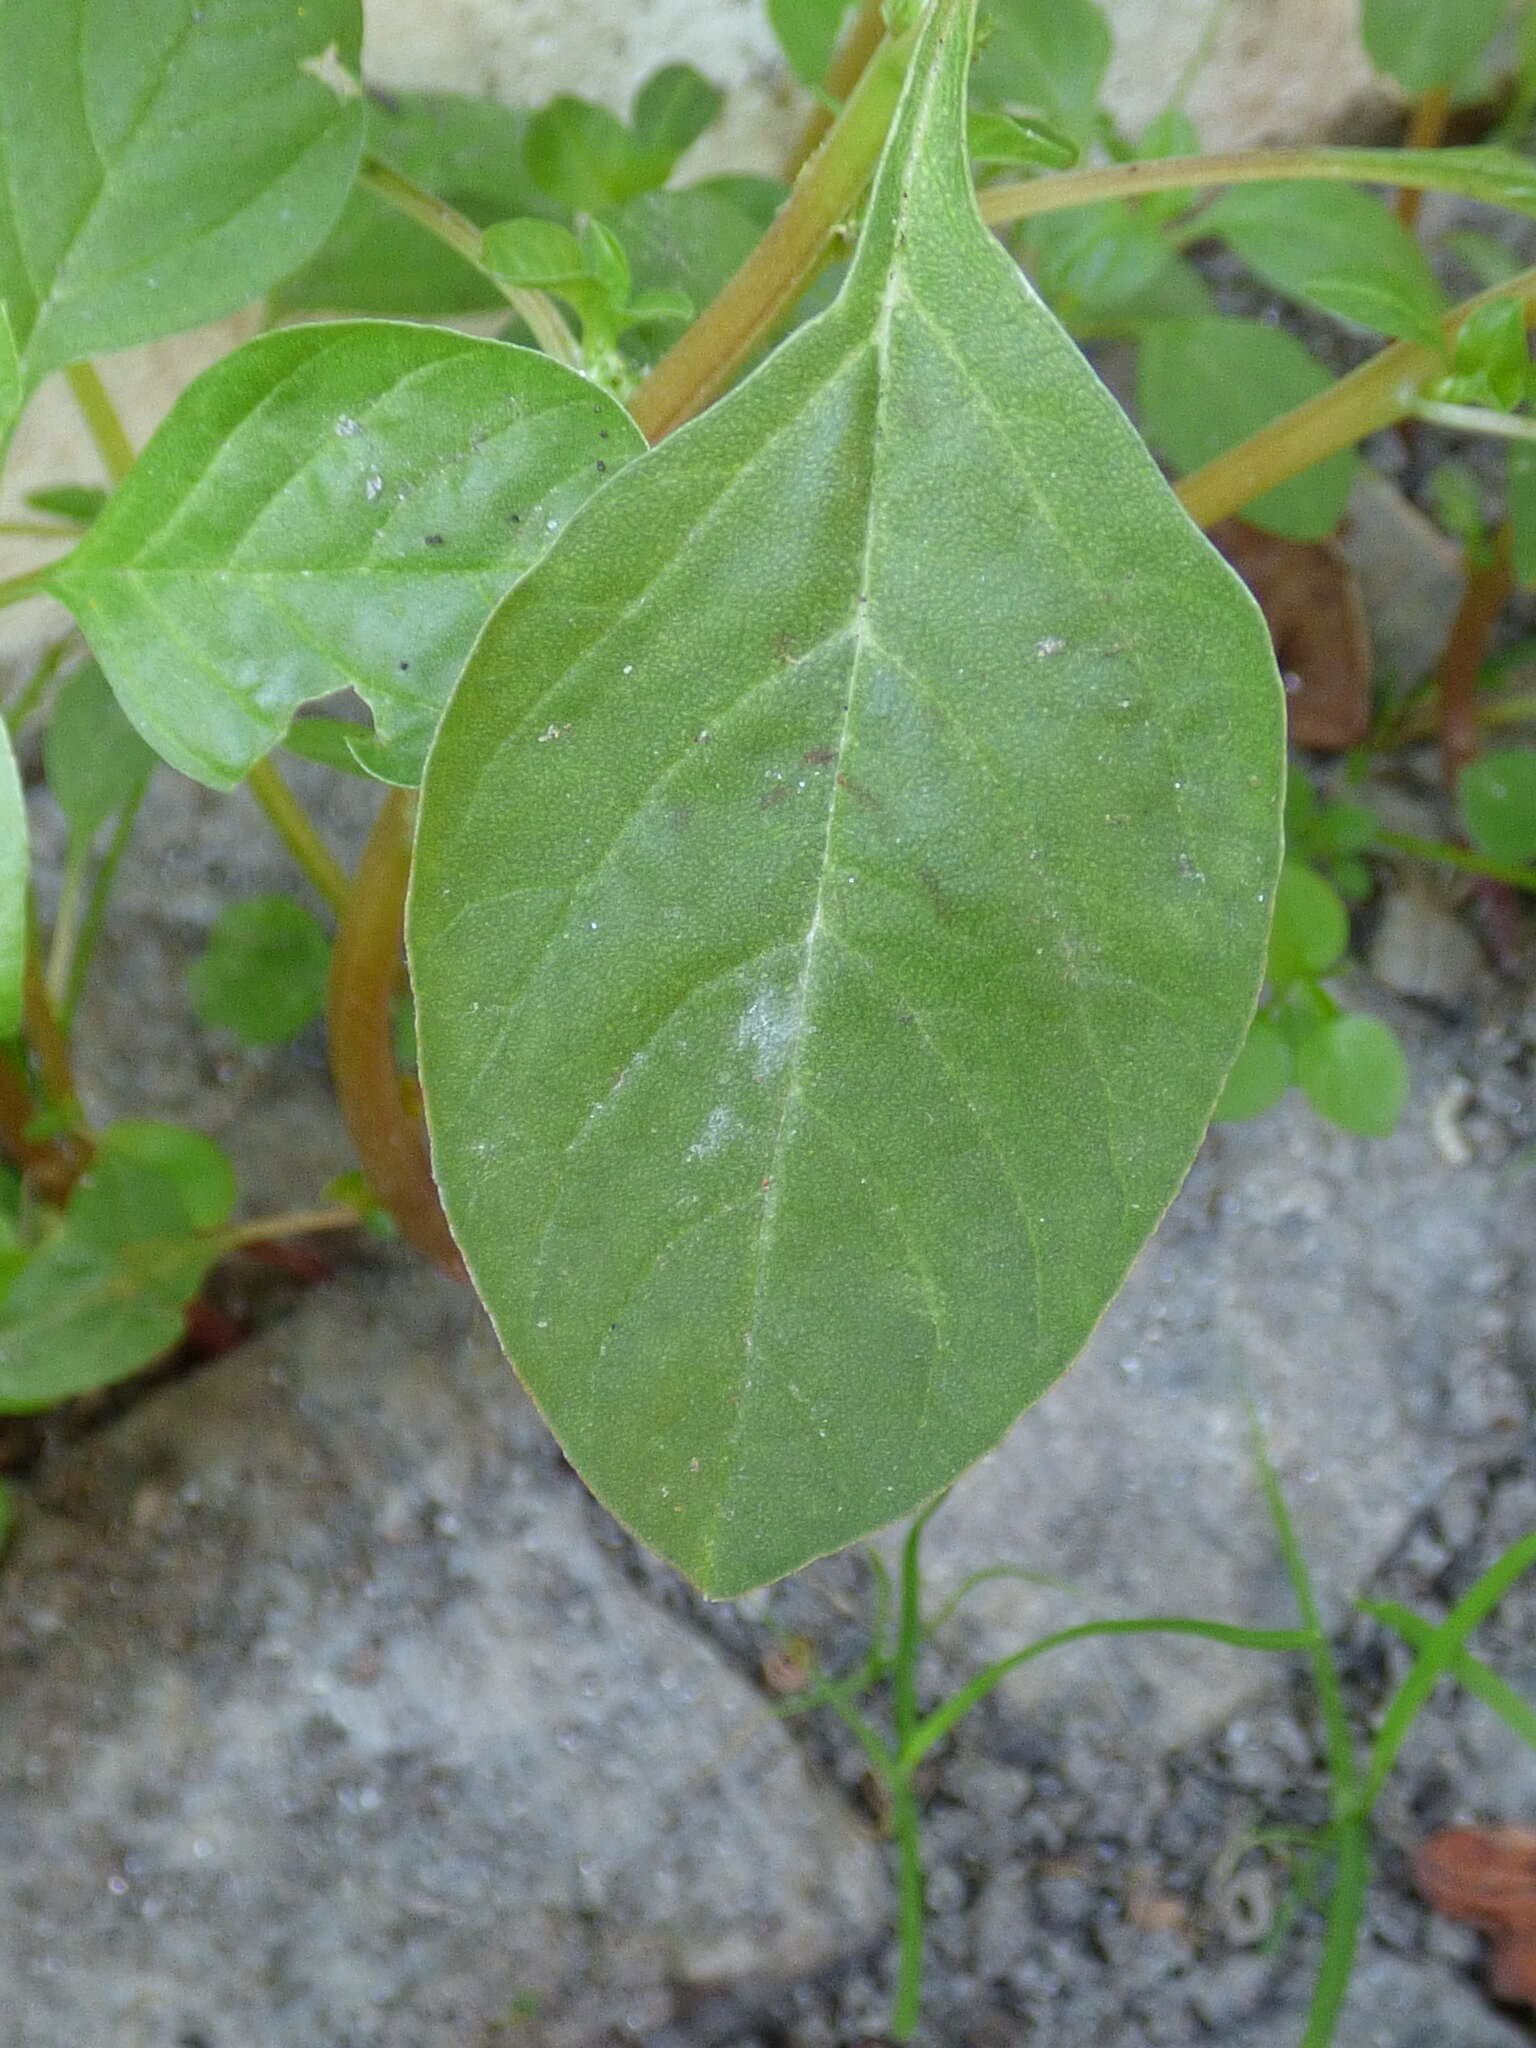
<point>163,162</point>
<point>330,506</point>
<point>840,892</point>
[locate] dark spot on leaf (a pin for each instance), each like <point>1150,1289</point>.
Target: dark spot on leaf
<point>603,434</point>
<point>514,519</point>
<point>602,469</point>
<point>403,666</point>
<point>859,793</point>
<point>772,798</point>
<point>943,909</point>
<point>819,757</point>
<point>434,540</point>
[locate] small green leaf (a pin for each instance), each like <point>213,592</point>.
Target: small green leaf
<point>1045,56</point>
<point>1457,498</point>
<point>1491,363</point>
<point>263,972</point>
<point>332,506</point>
<point>332,742</point>
<point>1353,1072</point>
<point>1496,795</point>
<point>602,255</point>
<point>583,156</point>
<point>93,760</point>
<point>14,868</point>
<point>1520,503</point>
<point>993,138</point>
<point>1105,267</point>
<point>1311,927</point>
<point>105,1295</point>
<point>690,241</point>
<point>826,968</point>
<point>1170,133</point>
<point>165,163</point>
<point>1428,43</point>
<point>1298,1009</point>
<point>200,1170</point>
<point>536,253</point>
<point>1319,242</point>
<point>1202,386</point>
<point>1265,1068</point>
<point>1379,303</point>
<point>807,33</point>
<point>77,502</point>
<point>468,152</point>
<point>672,109</point>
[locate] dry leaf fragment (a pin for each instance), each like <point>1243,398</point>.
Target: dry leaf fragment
<point>1487,1878</point>
<point>1311,602</point>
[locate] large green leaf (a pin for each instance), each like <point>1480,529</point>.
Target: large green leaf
<point>330,505</point>
<point>841,889</point>
<point>162,162</point>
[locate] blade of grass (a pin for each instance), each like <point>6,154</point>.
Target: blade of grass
<point>937,1725</point>
<point>1437,1659</point>
<point>1469,1672</point>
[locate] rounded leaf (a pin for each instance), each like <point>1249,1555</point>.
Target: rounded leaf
<point>1265,1068</point>
<point>263,972</point>
<point>1497,796</point>
<point>1354,1073</point>
<point>1311,927</point>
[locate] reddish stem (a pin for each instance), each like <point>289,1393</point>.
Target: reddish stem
<point>366,968</point>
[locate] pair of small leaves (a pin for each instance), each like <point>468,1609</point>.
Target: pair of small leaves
<point>331,506</point>
<point>586,159</point>
<point>589,270</point>
<point>840,888</point>
<point>162,164</point>
<point>106,1293</point>
<point>1350,1068</point>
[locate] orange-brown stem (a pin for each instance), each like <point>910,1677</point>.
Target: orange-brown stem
<point>1426,130</point>
<point>366,969</point>
<point>1489,586</point>
<point>849,63</point>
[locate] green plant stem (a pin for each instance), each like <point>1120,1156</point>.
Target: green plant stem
<point>536,309</point>
<point>17,589</point>
<point>101,420</point>
<point>39,529</point>
<point>68,923</point>
<point>849,63</point>
<point>30,695</point>
<point>702,363</point>
<point>96,908</point>
<point>1474,419</point>
<point>911,1906</point>
<point>938,1724</point>
<point>1377,395</point>
<point>1433,171</point>
<point>366,966</point>
<point>294,827</point>
<point>1341,1936</point>
<point>290,1223</point>
<point>50,1049</point>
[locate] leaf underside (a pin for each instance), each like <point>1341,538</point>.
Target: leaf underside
<point>841,889</point>
<point>331,506</point>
